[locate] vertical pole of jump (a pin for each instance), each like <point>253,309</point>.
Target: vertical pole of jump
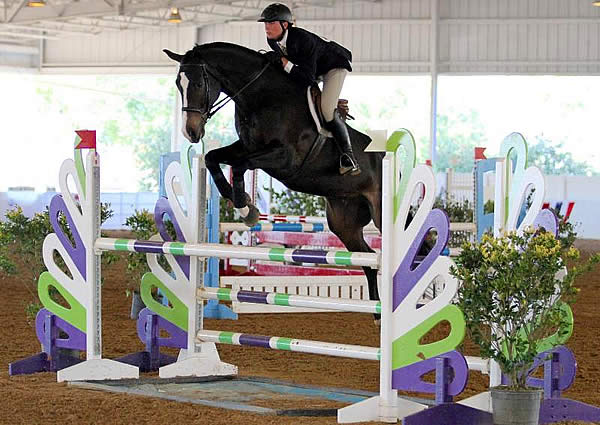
<point>502,186</point>
<point>91,208</point>
<point>212,308</point>
<point>198,214</point>
<point>500,204</point>
<point>388,396</point>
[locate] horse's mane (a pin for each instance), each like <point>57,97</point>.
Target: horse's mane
<point>234,53</point>
<point>200,50</point>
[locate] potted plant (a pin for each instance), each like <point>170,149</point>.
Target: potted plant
<point>513,295</point>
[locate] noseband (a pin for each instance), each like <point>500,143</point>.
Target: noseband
<point>211,110</point>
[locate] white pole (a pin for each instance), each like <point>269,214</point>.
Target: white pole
<point>502,187</point>
<point>93,258</point>
<point>198,214</point>
<point>500,194</point>
<point>290,344</point>
<point>289,300</point>
<point>177,125</point>
<point>388,396</point>
<point>434,64</point>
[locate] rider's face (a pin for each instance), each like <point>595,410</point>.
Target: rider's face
<point>273,30</point>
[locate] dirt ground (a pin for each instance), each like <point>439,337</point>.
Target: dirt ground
<point>39,399</point>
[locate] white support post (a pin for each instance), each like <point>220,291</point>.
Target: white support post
<point>198,213</point>
<point>94,367</point>
<point>388,403</point>
<point>387,406</point>
<point>500,196</point>
<point>199,359</point>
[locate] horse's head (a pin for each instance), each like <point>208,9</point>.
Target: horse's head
<point>199,90</point>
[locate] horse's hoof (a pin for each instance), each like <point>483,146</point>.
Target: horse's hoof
<point>253,216</point>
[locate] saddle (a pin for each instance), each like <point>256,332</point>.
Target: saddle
<point>313,95</point>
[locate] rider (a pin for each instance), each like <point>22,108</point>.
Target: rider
<point>306,56</point>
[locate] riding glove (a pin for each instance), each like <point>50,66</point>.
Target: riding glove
<point>273,58</point>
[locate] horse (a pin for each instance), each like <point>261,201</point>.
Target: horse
<point>278,135</point>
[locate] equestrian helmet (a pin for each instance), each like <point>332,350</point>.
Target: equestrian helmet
<point>276,12</point>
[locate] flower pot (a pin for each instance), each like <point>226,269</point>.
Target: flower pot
<point>516,407</point>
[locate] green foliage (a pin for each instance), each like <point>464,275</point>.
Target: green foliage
<point>382,109</point>
<point>297,203</point>
<point>566,231</point>
<point>226,211</point>
<point>143,227</point>
<point>552,158</point>
<point>31,311</point>
<point>488,207</point>
<point>510,284</point>
<point>21,241</point>
<point>457,136</point>
<point>147,127</point>
<point>458,212</point>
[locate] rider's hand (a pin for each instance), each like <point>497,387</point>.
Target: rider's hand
<point>284,61</point>
<point>273,58</point>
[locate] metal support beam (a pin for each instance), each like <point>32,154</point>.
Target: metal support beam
<point>19,49</point>
<point>16,10</point>
<point>29,35</point>
<point>434,64</point>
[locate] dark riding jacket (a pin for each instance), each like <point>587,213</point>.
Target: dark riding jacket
<point>312,55</point>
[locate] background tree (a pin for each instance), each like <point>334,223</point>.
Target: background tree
<point>147,127</point>
<point>552,158</point>
<point>457,136</point>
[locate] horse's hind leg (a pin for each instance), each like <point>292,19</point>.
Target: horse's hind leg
<point>346,218</point>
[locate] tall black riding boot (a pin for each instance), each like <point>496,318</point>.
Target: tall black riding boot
<point>348,163</point>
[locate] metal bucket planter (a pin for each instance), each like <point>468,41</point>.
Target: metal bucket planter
<point>516,407</point>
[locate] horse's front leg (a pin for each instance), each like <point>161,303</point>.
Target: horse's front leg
<point>232,155</point>
<point>227,155</point>
<point>241,200</point>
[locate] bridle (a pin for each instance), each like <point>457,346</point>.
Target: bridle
<point>211,110</point>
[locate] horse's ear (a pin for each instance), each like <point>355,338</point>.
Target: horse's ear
<point>176,57</point>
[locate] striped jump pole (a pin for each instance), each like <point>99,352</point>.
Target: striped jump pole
<point>282,218</point>
<point>288,300</point>
<point>316,227</point>
<point>291,344</point>
<point>335,257</point>
<point>273,227</point>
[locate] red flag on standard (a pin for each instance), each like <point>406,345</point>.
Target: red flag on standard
<point>88,139</point>
<point>479,153</point>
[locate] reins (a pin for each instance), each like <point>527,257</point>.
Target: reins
<point>213,109</point>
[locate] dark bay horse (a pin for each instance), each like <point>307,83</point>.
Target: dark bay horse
<point>277,134</point>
